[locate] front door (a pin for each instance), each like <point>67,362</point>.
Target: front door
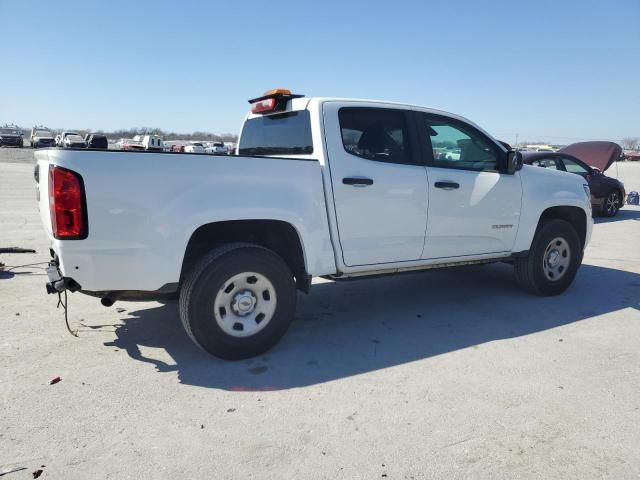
<point>473,208</point>
<point>379,184</point>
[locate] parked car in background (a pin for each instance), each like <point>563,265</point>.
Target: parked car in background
<point>194,147</point>
<point>96,141</point>
<point>72,140</point>
<point>129,144</point>
<point>216,147</point>
<point>176,147</point>
<point>150,142</point>
<point>607,194</point>
<point>41,136</point>
<point>632,155</point>
<point>61,140</point>
<point>11,136</point>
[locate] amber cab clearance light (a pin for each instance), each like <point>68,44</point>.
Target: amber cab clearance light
<point>274,100</point>
<point>67,204</point>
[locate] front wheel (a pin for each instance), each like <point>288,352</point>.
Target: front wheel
<point>553,260</point>
<point>612,203</point>
<point>238,301</point>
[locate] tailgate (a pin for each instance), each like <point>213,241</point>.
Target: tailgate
<point>41,176</point>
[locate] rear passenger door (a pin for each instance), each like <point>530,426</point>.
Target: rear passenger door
<point>379,183</point>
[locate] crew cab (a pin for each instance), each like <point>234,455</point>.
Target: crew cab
<point>319,187</point>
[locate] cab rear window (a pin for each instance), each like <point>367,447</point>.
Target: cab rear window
<point>281,134</point>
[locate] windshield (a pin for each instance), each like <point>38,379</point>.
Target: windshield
<point>42,133</point>
<point>9,131</point>
<point>280,134</point>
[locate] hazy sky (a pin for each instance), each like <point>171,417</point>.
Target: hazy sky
<point>556,70</point>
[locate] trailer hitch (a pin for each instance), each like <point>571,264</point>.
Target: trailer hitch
<point>57,283</point>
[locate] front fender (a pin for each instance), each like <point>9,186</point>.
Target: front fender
<point>543,189</point>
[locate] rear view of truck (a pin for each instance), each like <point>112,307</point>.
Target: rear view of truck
<point>151,225</point>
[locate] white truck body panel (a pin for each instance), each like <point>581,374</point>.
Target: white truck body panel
<point>144,207</point>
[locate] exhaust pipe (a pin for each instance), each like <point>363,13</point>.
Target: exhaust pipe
<point>107,302</point>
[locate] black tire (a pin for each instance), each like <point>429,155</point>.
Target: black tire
<point>210,275</point>
<point>530,270</point>
<point>612,203</point>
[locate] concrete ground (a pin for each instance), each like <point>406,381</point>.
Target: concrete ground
<point>450,374</point>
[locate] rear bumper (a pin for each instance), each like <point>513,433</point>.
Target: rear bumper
<point>57,282</point>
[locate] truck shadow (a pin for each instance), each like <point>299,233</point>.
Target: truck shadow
<point>622,215</point>
<point>351,328</point>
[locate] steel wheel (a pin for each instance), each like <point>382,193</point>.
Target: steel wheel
<point>556,259</point>
<point>245,304</point>
<point>612,203</point>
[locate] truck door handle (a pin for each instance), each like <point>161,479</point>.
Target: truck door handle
<point>357,181</point>
<point>447,185</point>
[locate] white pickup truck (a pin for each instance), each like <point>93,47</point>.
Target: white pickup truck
<point>318,187</point>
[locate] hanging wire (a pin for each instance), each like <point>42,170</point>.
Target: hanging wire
<point>65,305</point>
<point>8,268</point>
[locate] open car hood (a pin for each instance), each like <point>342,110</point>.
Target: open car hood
<point>595,154</point>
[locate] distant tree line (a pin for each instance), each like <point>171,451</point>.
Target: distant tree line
<point>630,143</point>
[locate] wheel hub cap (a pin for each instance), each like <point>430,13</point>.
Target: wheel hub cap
<point>553,258</point>
<point>244,302</point>
<point>556,259</point>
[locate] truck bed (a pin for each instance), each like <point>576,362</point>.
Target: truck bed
<point>144,206</point>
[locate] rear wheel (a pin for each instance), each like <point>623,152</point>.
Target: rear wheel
<point>552,262</point>
<point>238,301</point>
<point>612,203</point>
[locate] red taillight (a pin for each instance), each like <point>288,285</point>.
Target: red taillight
<point>266,105</point>
<point>67,204</point>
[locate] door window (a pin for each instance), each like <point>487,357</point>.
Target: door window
<point>375,134</point>
<point>546,163</point>
<point>454,146</point>
<point>572,166</point>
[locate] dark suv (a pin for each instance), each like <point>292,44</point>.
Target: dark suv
<point>11,136</point>
<point>96,141</point>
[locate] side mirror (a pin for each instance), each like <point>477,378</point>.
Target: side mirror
<point>514,161</point>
